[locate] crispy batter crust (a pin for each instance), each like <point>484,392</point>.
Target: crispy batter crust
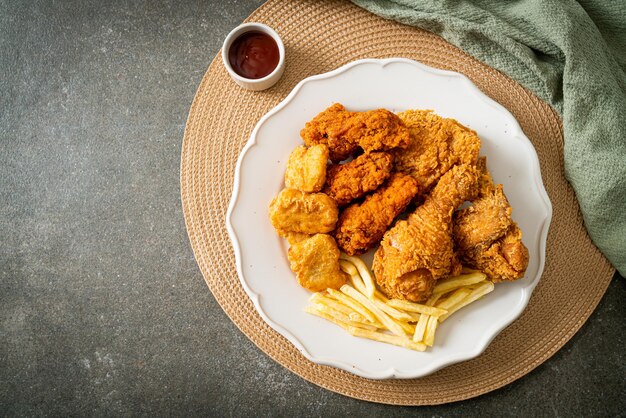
<point>305,213</point>
<point>315,261</point>
<point>361,226</point>
<point>486,236</point>
<point>344,132</point>
<point>417,252</point>
<point>306,168</point>
<point>349,181</point>
<point>437,144</point>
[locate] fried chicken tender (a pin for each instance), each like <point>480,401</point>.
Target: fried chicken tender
<point>315,261</point>
<point>306,168</point>
<point>349,181</point>
<point>361,226</point>
<point>344,131</point>
<point>418,251</point>
<point>293,211</point>
<point>486,236</point>
<point>436,145</point>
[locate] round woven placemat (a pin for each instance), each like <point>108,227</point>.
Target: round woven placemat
<point>319,37</point>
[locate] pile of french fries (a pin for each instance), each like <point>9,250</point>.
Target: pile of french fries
<point>365,312</point>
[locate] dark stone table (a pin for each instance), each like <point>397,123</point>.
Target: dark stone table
<point>103,309</point>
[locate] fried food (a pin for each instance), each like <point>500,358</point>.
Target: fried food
<point>316,263</point>
<point>305,213</point>
<point>395,321</point>
<point>344,131</point>
<point>418,251</point>
<point>306,168</point>
<point>361,226</point>
<point>437,144</point>
<point>486,236</point>
<point>349,181</point>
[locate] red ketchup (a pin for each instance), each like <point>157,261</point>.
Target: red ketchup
<point>253,55</point>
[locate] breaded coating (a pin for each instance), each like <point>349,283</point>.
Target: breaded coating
<point>305,213</point>
<point>505,259</point>
<point>486,236</point>
<point>344,131</point>
<point>484,222</point>
<point>315,261</point>
<point>349,181</point>
<point>306,168</point>
<point>294,237</point>
<point>418,251</point>
<point>361,226</point>
<point>436,145</point>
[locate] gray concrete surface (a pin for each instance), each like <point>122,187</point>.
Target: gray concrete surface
<point>104,311</point>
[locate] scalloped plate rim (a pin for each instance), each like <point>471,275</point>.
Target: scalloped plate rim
<point>492,331</point>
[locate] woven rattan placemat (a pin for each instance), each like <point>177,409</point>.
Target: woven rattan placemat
<point>319,37</point>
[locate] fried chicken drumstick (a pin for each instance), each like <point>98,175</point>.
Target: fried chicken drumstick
<point>418,251</point>
<point>344,131</point>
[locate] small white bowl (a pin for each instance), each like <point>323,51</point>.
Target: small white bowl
<point>250,83</point>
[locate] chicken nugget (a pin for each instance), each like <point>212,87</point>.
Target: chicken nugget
<point>316,263</point>
<point>306,213</point>
<point>306,168</point>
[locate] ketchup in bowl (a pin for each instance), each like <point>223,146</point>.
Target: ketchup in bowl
<point>253,55</point>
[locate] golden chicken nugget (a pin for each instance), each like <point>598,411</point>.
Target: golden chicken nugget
<point>306,168</point>
<point>316,263</point>
<point>305,213</point>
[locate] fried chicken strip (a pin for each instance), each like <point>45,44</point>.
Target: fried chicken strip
<point>344,131</point>
<point>418,251</point>
<point>349,181</point>
<point>436,145</point>
<point>361,226</point>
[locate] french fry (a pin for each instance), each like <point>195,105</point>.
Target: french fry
<point>429,335</point>
<point>366,312</point>
<point>383,317</point>
<point>386,338</point>
<point>379,295</point>
<point>375,325</point>
<point>332,303</point>
<point>474,295</point>
<point>408,328</point>
<point>341,317</point>
<point>416,307</point>
<point>348,267</point>
<point>347,300</point>
<point>456,297</point>
<point>310,309</point>
<point>433,299</point>
<point>358,284</point>
<point>420,328</point>
<point>452,283</point>
<point>364,271</point>
<point>393,312</point>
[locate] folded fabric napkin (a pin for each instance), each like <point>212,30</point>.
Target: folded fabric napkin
<point>573,56</point>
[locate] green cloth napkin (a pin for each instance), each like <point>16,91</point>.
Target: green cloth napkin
<point>573,56</point>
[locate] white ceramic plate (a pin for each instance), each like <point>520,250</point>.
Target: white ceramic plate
<point>395,84</point>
